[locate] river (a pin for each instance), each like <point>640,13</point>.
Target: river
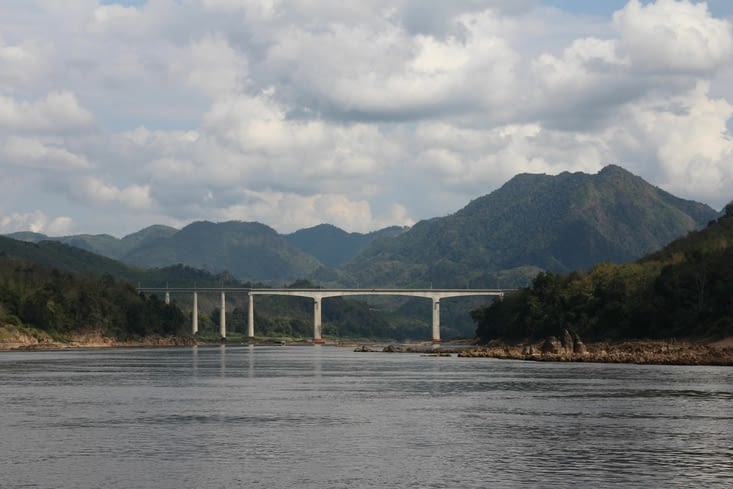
<point>326,417</point>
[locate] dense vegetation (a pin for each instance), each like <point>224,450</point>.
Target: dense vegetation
<point>62,303</point>
<point>685,290</point>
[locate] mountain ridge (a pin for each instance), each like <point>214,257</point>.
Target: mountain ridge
<point>557,223</point>
<point>532,222</point>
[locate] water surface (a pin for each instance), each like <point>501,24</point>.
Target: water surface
<point>323,417</point>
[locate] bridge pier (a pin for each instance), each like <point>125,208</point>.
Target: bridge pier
<point>223,317</point>
<point>250,317</point>
<point>195,314</point>
<point>436,320</point>
<point>317,339</point>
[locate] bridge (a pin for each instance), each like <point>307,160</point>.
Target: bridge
<point>436,295</point>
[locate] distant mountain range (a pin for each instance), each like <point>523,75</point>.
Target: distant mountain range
<point>533,222</point>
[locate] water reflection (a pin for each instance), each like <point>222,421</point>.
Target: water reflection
<point>317,360</point>
<point>222,360</point>
<point>251,360</point>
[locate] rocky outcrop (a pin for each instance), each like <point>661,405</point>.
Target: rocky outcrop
<point>578,346</point>
<point>552,346</point>
<point>567,341</point>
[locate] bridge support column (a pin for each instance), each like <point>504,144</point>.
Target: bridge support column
<point>317,321</point>
<point>251,317</point>
<point>436,320</point>
<point>195,314</point>
<point>223,317</point>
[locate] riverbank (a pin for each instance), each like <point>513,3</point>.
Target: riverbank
<point>670,352</point>
<point>13,337</point>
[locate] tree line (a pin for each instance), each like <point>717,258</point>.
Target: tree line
<point>61,303</point>
<point>682,291</point>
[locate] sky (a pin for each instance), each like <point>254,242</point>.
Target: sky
<point>363,114</point>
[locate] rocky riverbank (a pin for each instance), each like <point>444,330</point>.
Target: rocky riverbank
<point>569,348</point>
<point>14,337</point>
<point>669,352</point>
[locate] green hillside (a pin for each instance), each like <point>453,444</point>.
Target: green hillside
<point>333,246</point>
<point>103,244</point>
<point>67,258</point>
<point>557,223</point>
<point>62,303</point>
<point>682,291</point>
<point>248,250</point>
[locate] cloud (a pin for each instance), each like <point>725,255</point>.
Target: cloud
<point>32,153</point>
<point>670,36</point>
<point>57,112</point>
<point>216,68</point>
<point>96,193</point>
<point>363,113</point>
<point>23,64</point>
<point>36,222</point>
<point>693,147</point>
<point>390,75</point>
<point>294,212</point>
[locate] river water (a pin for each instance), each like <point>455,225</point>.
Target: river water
<point>326,417</point>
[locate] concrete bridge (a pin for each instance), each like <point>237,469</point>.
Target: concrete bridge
<point>436,295</point>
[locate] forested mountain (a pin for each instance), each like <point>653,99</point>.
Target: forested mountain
<point>71,259</point>
<point>67,258</point>
<point>159,246</point>
<point>556,223</point>
<point>683,291</point>
<point>249,250</point>
<point>333,246</point>
<point>103,244</point>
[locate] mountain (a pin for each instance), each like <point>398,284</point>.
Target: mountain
<point>249,250</point>
<point>534,222</point>
<point>71,259</point>
<point>28,236</point>
<point>103,244</point>
<point>557,223</point>
<point>333,246</point>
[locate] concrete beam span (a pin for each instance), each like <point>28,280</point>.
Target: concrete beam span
<point>436,295</point>
<point>427,293</point>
